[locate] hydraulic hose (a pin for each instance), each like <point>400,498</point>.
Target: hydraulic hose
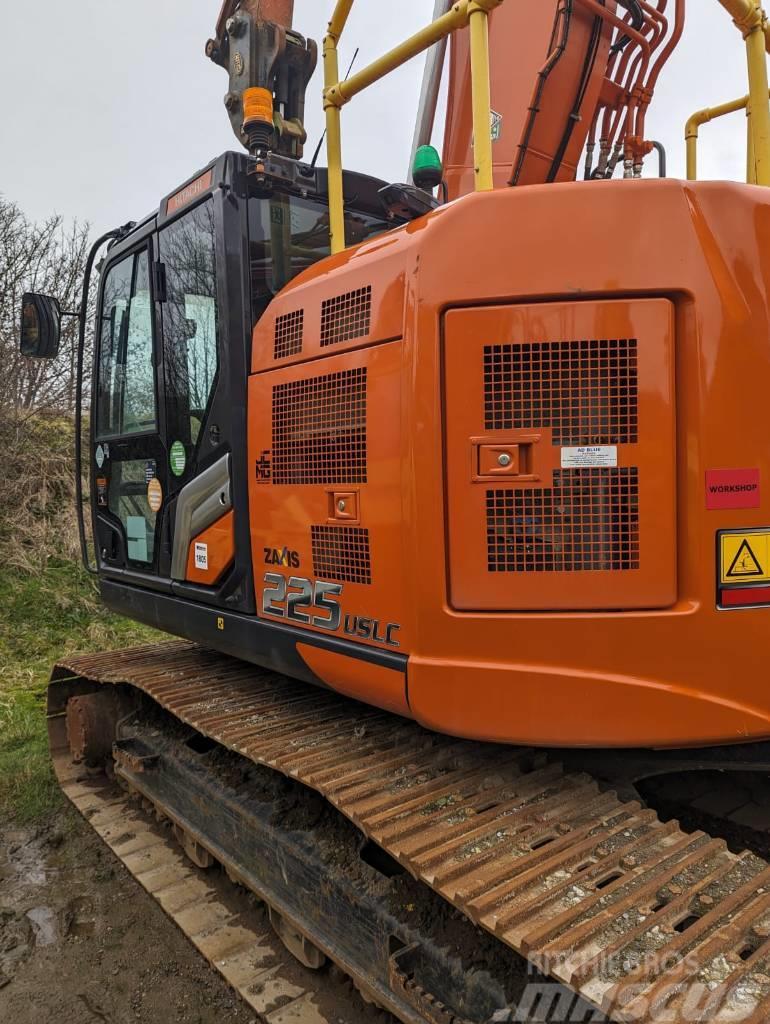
<point>574,115</point>
<point>634,8</point>
<point>564,16</point>
<point>660,149</point>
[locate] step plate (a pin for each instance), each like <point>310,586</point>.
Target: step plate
<point>645,921</point>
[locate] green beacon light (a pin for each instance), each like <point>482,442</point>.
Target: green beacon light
<point>427,170</point>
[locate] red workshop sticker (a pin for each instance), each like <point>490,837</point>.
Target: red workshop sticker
<point>732,488</point>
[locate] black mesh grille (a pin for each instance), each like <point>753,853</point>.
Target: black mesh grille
<point>341,553</point>
<point>346,317</point>
<point>319,429</point>
<point>587,391</point>
<point>289,329</point>
<point>589,519</point>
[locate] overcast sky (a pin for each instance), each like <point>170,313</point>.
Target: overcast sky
<point>105,106</point>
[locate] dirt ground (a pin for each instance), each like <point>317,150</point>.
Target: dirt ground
<point>81,942</point>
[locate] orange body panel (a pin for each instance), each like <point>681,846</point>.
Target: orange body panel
<point>625,656</point>
<point>301,419</point>
<point>212,552</point>
<point>575,71</point>
<point>384,686</point>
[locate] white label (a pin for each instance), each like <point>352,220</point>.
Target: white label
<point>201,556</point>
<point>589,456</point>
<point>99,456</point>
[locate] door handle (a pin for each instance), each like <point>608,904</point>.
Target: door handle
<point>507,459</point>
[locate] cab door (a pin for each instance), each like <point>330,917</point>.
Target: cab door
<point>163,439</point>
<point>198,431</point>
<point>128,454</point>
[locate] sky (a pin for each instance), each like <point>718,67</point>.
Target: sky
<point>106,106</point>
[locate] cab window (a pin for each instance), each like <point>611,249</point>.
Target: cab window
<point>287,234</point>
<point>125,401</point>
<point>129,502</point>
<point>190,320</point>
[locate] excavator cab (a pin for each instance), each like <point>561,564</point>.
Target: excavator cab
<point>178,298</point>
<point>178,301</point>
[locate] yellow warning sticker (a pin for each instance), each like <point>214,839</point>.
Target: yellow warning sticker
<point>745,557</point>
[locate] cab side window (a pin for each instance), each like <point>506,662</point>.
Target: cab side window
<point>288,234</point>
<point>190,320</point>
<point>125,401</point>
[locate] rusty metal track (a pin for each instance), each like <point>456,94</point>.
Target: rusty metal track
<point>645,921</point>
<point>248,957</point>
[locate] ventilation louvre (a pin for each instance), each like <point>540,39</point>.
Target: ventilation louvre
<point>341,554</point>
<point>319,429</point>
<point>588,520</point>
<point>346,317</point>
<point>586,391</point>
<point>289,329</point>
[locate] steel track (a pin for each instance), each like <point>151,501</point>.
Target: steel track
<point>645,921</point>
<point>244,951</point>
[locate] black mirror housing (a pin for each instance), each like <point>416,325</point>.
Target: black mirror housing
<point>40,326</point>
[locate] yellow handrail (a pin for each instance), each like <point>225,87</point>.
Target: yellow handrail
<point>336,93</point>
<point>339,18</point>
<point>333,129</point>
<point>743,14</point>
<point>482,100</point>
<point>752,21</point>
<point>700,118</point>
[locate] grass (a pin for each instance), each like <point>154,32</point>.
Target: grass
<point>44,616</point>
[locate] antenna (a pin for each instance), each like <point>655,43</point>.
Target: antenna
<point>321,140</point>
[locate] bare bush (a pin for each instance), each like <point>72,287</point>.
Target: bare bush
<point>37,397</point>
<point>37,485</point>
<point>48,258</point>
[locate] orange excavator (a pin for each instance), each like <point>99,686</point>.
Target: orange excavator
<point>458,494</point>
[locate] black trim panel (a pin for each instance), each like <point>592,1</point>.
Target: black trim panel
<point>270,645</point>
<point>144,580</point>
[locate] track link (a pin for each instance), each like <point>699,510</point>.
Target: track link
<point>645,921</point>
<point>246,953</point>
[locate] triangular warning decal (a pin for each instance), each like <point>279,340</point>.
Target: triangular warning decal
<point>745,564</point>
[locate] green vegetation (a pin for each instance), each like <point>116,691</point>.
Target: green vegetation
<point>45,614</point>
<point>49,606</point>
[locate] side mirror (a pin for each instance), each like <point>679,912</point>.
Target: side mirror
<point>40,326</point>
